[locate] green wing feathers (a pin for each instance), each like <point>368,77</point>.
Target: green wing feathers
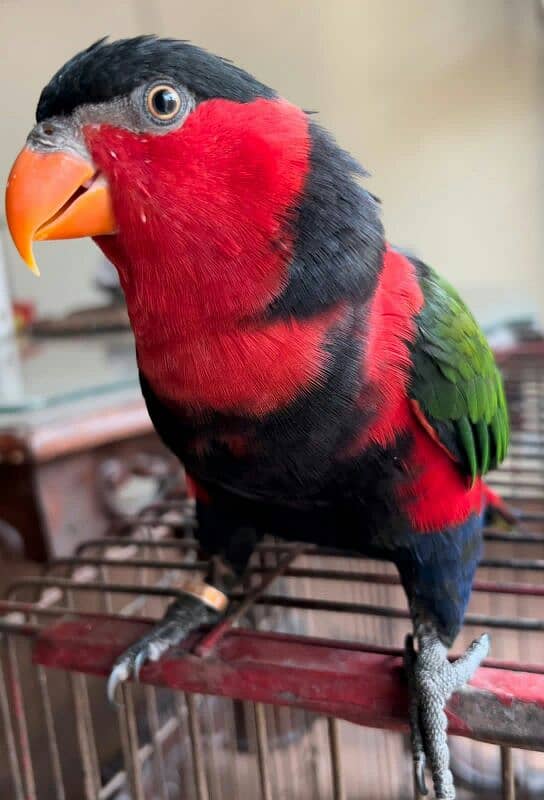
<point>455,381</point>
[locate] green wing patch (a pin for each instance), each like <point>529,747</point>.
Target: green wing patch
<point>455,381</point>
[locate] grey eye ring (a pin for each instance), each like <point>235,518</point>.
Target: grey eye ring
<point>163,102</point>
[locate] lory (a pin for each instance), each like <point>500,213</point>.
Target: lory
<point>316,383</point>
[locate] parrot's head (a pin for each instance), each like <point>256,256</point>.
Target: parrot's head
<point>213,197</point>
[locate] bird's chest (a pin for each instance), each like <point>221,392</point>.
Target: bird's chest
<point>293,466</point>
<point>290,451</point>
<point>253,370</point>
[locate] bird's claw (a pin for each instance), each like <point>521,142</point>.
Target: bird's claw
<point>131,662</point>
<point>419,773</point>
<point>138,664</point>
<point>418,751</point>
<point>183,616</point>
<point>118,675</point>
<point>432,681</point>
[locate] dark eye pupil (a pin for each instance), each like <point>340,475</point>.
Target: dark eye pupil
<point>164,102</point>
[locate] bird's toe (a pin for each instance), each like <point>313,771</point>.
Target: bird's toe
<point>120,673</point>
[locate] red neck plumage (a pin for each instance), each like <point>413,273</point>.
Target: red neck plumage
<point>202,212</point>
<point>203,247</point>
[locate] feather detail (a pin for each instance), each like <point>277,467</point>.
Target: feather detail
<point>455,380</point>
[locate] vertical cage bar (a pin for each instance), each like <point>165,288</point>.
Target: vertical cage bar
<point>84,725</point>
<point>129,743</point>
<point>154,726</point>
<point>20,718</point>
<point>52,742</point>
<point>338,789</point>
<point>213,774</point>
<point>201,784</point>
<point>106,596</point>
<point>508,776</point>
<point>262,750</point>
<point>10,737</point>
<point>181,715</point>
<point>87,749</point>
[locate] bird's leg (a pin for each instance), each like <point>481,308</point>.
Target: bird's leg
<point>200,604</point>
<point>432,680</point>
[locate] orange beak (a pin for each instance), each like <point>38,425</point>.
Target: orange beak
<point>55,195</point>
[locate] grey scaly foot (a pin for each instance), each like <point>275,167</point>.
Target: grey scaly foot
<point>183,616</point>
<point>432,680</point>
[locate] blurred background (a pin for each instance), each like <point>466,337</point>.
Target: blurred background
<point>442,102</point>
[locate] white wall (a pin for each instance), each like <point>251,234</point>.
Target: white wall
<point>442,101</point>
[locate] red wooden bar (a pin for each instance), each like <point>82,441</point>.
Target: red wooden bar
<point>333,678</point>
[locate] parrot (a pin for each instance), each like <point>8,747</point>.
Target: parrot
<point>317,383</point>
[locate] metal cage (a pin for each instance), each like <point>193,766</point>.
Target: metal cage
<point>299,693</point>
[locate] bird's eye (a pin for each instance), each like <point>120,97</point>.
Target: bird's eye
<point>163,102</point>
